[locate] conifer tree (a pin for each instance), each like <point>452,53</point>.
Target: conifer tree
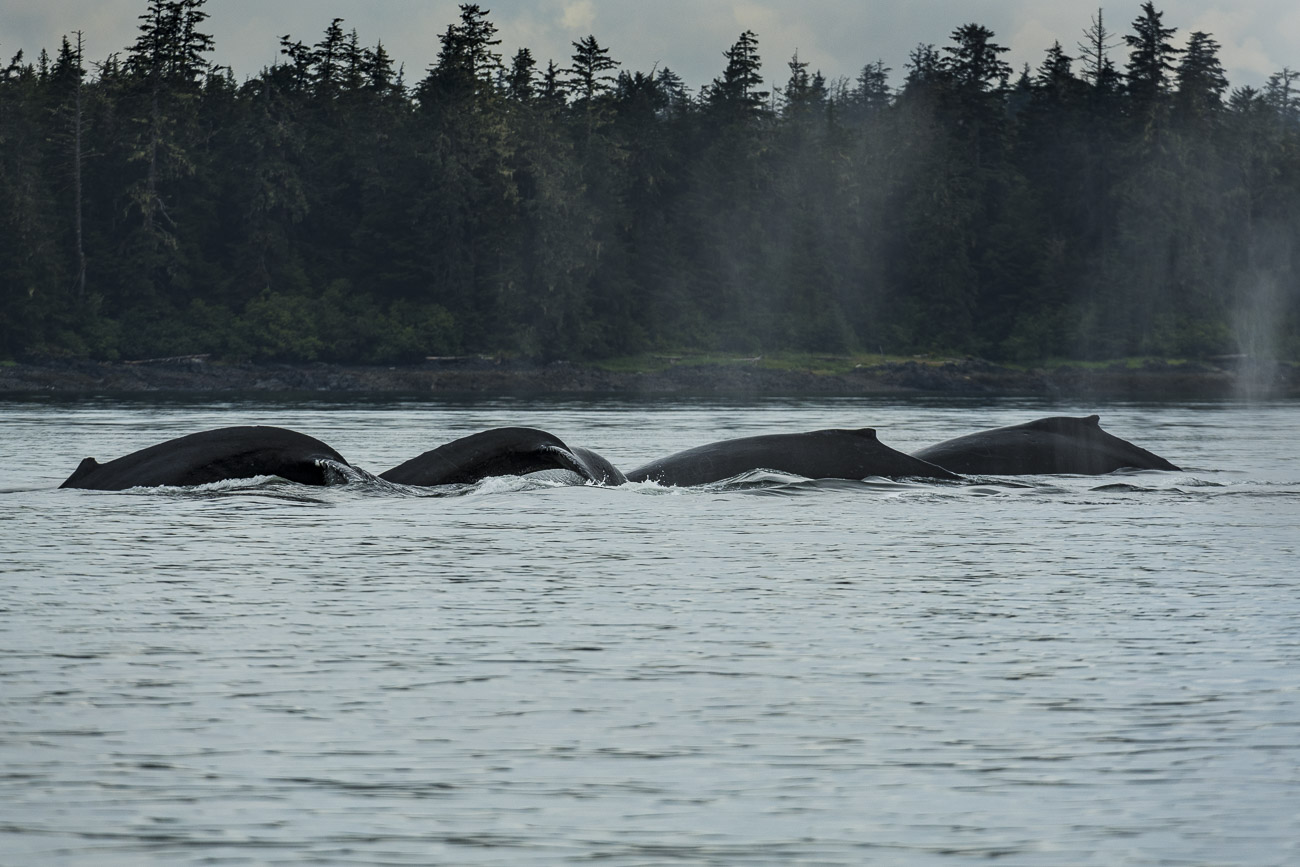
<point>327,60</point>
<point>519,80</point>
<point>1151,58</point>
<point>1282,93</point>
<point>872,94</point>
<point>1201,80</point>
<point>380,79</point>
<point>164,70</point>
<point>468,65</point>
<point>804,95</point>
<point>1098,69</point>
<point>67,81</point>
<point>553,92</point>
<point>973,61</point>
<point>976,76</point>
<point>926,75</point>
<point>737,92</point>
<point>589,75</point>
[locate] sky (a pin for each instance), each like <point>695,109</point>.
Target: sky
<point>835,37</point>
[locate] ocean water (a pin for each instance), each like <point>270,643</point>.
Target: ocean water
<point>1037,670</point>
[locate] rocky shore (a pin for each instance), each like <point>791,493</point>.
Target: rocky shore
<point>1221,378</point>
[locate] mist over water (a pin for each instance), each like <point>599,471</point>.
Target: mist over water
<point>1041,670</point>
<point>1258,325</point>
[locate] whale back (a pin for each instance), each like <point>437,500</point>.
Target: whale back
<point>821,454</point>
<point>512,451</point>
<point>1056,445</point>
<point>212,456</point>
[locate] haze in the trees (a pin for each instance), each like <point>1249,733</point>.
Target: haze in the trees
<point>1117,198</point>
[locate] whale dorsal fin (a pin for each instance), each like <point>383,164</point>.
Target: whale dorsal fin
<point>85,468</point>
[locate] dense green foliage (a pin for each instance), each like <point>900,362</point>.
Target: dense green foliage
<point>152,205</point>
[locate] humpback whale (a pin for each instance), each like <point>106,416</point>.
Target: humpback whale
<point>212,456</point>
<point>819,454</point>
<point>1062,445</point>
<point>507,451</point>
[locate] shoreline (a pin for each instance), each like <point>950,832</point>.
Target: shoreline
<point>1235,378</point>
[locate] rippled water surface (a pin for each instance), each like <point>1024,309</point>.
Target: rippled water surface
<point>1049,670</point>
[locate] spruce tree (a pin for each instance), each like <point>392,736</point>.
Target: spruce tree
<point>519,83</point>
<point>589,75</point>
<point>1150,67</point>
<point>1201,80</point>
<point>736,93</point>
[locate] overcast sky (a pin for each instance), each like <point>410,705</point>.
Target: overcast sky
<point>837,37</point>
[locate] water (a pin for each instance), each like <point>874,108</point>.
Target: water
<point>1064,670</point>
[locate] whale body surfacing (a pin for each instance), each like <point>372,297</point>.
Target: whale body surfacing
<point>506,451</point>
<point>819,454</point>
<point>1060,445</point>
<point>213,456</point>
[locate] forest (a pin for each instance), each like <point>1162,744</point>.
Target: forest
<point>1120,199</point>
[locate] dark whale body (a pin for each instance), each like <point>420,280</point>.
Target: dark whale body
<point>507,451</point>
<point>819,454</point>
<point>212,456</point>
<point>1062,445</point>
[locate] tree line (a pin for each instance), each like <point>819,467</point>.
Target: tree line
<point>1119,199</point>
